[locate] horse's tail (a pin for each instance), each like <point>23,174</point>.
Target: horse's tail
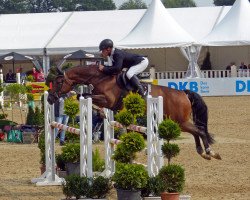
<point>200,113</point>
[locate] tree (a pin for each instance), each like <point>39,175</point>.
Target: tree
<point>87,5</point>
<point>178,3</point>
<point>224,2</point>
<point>133,4</point>
<point>12,6</point>
<point>40,6</point>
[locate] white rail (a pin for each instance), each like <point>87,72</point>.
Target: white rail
<point>205,74</point>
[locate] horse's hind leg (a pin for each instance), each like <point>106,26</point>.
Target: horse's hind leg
<point>191,128</point>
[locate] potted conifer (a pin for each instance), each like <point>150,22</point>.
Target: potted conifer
<point>172,175</point>
<point>130,178</point>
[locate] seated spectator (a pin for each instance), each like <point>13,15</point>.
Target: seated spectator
<point>242,66</point>
<point>249,66</point>
<point>10,77</point>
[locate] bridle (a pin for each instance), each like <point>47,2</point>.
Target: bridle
<point>64,79</point>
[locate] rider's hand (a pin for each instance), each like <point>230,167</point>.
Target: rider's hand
<point>101,67</point>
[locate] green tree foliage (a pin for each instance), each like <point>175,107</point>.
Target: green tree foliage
<point>133,4</point>
<point>178,3</point>
<point>224,2</point>
<point>12,6</point>
<point>40,6</point>
<point>71,108</point>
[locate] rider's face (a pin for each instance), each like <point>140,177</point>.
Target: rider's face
<point>106,52</point>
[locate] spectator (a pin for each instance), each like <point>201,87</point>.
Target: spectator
<point>60,117</point>
<point>248,66</point>
<point>22,75</point>
<point>242,66</point>
<point>10,77</point>
<point>40,76</point>
<point>230,65</point>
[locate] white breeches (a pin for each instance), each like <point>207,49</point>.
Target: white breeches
<point>137,68</point>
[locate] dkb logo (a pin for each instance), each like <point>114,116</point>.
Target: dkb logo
<point>193,86</point>
<point>242,86</point>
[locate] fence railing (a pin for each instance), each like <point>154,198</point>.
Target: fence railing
<point>205,74</point>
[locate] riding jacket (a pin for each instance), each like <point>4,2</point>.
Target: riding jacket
<point>121,59</point>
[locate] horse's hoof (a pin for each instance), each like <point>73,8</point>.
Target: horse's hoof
<point>215,155</point>
<point>206,156</point>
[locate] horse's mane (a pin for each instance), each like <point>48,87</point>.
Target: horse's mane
<point>90,69</point>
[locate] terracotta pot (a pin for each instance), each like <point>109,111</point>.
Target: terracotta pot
<point>169,196</point>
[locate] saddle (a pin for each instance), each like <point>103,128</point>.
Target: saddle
<point>124,83</point>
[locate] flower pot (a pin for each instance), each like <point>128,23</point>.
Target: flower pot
<point>169,196</point>
<point>72,168</point>
<point>128,194</point>
<point>61,173</point>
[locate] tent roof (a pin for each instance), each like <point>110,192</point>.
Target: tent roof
<point>87,29</point>
<point>233,29</point>
<point>28,33</point>
<point>62,33</point>
<point>157,28</point>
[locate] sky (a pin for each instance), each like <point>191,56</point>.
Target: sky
<point>198,2</point>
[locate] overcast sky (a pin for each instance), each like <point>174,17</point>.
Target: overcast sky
<point>198,2</point>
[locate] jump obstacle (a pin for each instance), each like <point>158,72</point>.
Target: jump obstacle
<point>155,159</point>
<point>154,155</point>
<point>49,177</point>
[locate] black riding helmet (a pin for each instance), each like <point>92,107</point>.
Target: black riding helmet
<point>106,44</point>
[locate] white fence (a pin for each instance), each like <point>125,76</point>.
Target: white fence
<point>205,74</point>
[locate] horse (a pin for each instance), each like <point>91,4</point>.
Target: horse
<point>177,105</point>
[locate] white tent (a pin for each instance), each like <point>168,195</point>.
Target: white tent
<point>233,29</point>
<point>29,33</point>
<point>156,29</point>
<point>85,30</point>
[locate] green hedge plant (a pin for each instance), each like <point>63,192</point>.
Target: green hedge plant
<point>172,175</point>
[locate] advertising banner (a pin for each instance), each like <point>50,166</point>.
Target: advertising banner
<point>210,86</point>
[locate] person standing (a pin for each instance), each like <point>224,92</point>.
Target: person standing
<point>119,59</point>
<point>61,118</point>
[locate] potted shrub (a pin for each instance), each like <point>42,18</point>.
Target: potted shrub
<point>100,187</point>
<point>86,188</point>
<point>60,166</point>
<point>172,175</point>
<point>71,157</point>
<point>76,186</point>
<point>129,180</point>
<point>153,189</point>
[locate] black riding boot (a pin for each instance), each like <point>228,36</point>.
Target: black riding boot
<point>137,84</point>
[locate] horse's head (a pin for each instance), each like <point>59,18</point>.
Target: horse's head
<point>58,85</point>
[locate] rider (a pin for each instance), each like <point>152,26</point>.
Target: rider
<point>119,59</point>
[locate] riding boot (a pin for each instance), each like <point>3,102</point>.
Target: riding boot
<point>137,84</point>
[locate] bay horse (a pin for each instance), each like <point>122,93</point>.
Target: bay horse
<point>178,105</point>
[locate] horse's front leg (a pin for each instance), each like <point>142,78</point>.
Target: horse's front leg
<point>100,100</point>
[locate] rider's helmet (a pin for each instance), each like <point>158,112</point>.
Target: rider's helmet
<point>106,44</point>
